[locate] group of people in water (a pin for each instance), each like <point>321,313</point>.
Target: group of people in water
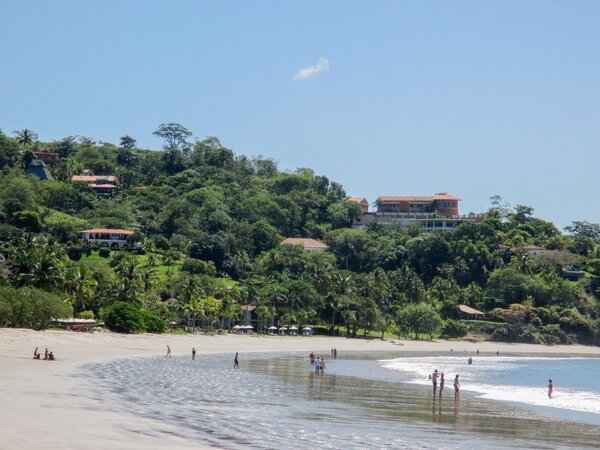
<point>319,363</point>
<point>48,356</point>
<point>440,375</point>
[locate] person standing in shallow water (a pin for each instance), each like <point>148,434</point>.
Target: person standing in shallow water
<point>550,388</point>
<point>236,363</point>
<point>442,381</point>
<point>434,379</point>
<point>168,355</point>
<point>456,387</point>
<point>193,353</point>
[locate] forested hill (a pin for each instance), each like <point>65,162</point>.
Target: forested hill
<point>209,224</point>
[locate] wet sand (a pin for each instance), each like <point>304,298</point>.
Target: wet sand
<point>52,404</point>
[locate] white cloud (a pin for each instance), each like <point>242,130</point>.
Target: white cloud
<point>308,72</point>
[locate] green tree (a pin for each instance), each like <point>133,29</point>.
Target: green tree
<point>175,136</point>
<point>127,141</point>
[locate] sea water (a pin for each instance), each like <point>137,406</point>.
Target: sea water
<point>518,379</point>
<point>362,401</point>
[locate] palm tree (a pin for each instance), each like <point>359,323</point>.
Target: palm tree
<point>343,286</point>
<point>188,298</point>
<point>81,288</point>
<point>130,281</point>
<point>38,263</point>
<point>25,137</point>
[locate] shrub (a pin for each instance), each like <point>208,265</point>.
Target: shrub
<point>31,308</point>
<point>123,318</point>
<point>153,323</point>
<point>454,329</point>
<point>86,315</point>
<point>74,253</point>
<point>104,252</point>
<point>199,267</point>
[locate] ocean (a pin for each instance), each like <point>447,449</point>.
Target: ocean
<point>364,400</point>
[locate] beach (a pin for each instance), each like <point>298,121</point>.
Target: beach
<point>53,404</point>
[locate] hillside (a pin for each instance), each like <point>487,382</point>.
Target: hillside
<point>207,229</point>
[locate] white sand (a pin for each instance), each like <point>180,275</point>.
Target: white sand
<point>45,404</point>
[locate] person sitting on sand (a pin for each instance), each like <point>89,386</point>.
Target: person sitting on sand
<point>51,356</point>
<point>36,355</point>
<point>46,353</point>
<point>550,388</point>
<point>442,381</point>
<point>456,386</point>
<point>434,378</point>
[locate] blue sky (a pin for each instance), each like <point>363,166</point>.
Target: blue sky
<point>473,98</point>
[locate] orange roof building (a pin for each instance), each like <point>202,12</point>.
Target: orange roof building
<point>362,202</point>
<point>307,243</point>
<point>441,203</point>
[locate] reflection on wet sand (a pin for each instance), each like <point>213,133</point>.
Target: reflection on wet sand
<point>275,402</point>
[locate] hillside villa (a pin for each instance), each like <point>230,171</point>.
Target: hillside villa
<point>102,185</point>
<point>438,212</point>
<point>106,237</point>
<point>362,202</point>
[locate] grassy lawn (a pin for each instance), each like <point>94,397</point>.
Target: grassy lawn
<point>162,272</point>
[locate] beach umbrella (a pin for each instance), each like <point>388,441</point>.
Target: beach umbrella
<point>307,328</point>
<point>283,328</point>
<point>236,327</point>
<point>248,327</point>
<point>293,328</point>
<point>272,328</point>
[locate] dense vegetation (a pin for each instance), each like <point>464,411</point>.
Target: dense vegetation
<point>210,223</point>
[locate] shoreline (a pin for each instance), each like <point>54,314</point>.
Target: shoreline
<point>48,406</point>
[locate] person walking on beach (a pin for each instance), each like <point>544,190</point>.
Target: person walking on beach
<point>236,363</point>
<point>322,366</point>
<point>434,379</point>
<point>442,381</point>
<point>456,387</point>
<point>312,358</point>
<point>193,353</point>
<point>550,388</point>
<point>317,365</point>
<point>168,355</point>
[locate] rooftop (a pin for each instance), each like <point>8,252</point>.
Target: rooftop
<point>468,310</point>
<point>307,243</point>
<point>107,231</point>
<point>417,198</point>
